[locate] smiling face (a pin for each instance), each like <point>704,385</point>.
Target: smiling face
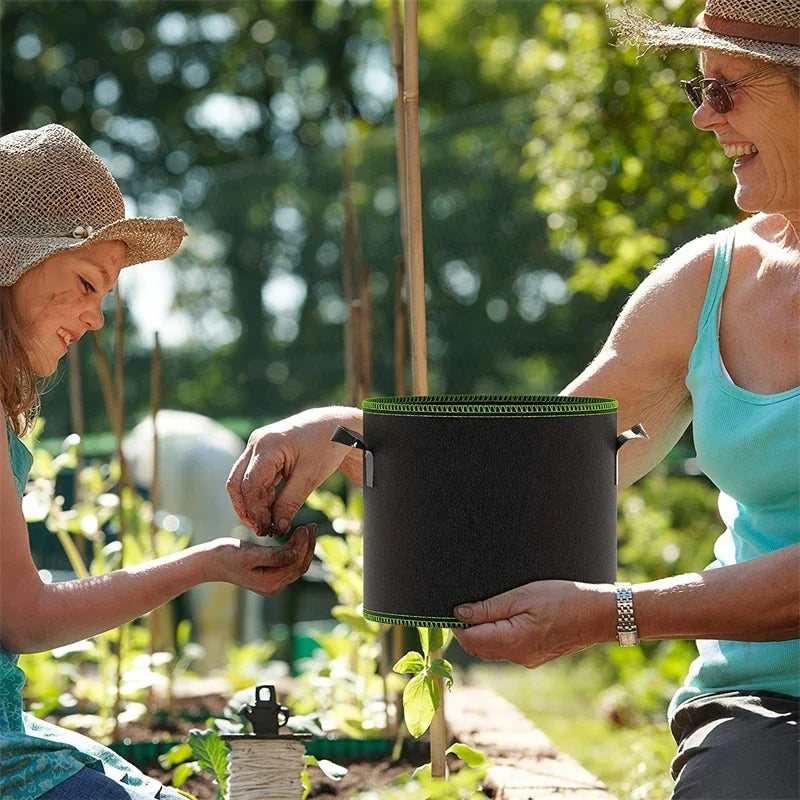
<point>760,132</point>
<point>60,299</point>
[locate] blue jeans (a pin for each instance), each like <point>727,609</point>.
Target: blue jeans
<point>89,784</point>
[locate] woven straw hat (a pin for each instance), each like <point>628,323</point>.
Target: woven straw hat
<point>768,30</point>
<point>56,194</point>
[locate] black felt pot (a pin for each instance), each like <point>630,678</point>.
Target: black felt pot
<point>466,497</point>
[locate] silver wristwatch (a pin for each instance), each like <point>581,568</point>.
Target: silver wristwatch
<point>627,632</point>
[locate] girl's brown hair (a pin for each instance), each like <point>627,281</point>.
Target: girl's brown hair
<point>19,392</point>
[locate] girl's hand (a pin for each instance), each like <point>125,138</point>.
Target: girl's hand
<point>261,568</point>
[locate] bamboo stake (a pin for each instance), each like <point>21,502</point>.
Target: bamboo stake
<point>400,332</point>
<point>400,123</point>
<point>159,621</point>
<point>351,323</point>
<point>76,409</point>
<point>400,306</point>
<point>155,407</point>
<point>416,284</point>
<point>78,420</point>
<point>416,266</point>
<point>119,380</point>
<point>365,331</point>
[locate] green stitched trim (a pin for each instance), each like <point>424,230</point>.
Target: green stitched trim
<point>460,405</point>
<point>412,621</point>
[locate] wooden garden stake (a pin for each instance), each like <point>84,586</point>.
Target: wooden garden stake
<point>358,301</point>
<point>78,423</point>
<point>416,285</point>
<point>119,380</point>
<point>416,266</point>
<point>159,620</point>
<point>400,305</point>
<point>76,410</point>
<point>400,124</point>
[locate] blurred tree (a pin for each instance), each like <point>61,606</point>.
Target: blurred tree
<point>556,170</point>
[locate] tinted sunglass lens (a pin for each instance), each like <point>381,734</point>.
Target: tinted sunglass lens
<point>693,93</point>
<point>717,96</point>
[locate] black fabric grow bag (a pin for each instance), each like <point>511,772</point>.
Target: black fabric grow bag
<point>466,497</point>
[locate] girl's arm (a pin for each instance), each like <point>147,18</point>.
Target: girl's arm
<point>35,616</point>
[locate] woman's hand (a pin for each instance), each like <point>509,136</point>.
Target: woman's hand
<point>261,568</point>
<point>298,449</point>
<point>538,622</point>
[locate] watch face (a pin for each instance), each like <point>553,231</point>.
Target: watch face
<point>628,638</point>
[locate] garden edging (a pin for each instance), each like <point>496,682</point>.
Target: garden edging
<point>526,765</point>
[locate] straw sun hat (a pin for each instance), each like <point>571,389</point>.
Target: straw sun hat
<point>768,30</point>
<point>56,194</point>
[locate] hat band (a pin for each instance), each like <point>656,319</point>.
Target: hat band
<point>774,34</point>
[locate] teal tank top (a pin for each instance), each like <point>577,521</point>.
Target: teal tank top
<point>36,756</point>
<point>748,444</point>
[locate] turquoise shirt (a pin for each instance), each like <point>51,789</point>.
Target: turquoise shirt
<point>748,444</point>
<point>36,756</point>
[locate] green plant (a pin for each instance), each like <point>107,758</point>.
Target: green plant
<point>421,695</point>
<point>333,771</point>
<point>342,688</point>
<point>81,677</point>
<point>419,785</point>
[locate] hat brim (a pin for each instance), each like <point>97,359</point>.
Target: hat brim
<point>639,30</point>
<point>146,239</point>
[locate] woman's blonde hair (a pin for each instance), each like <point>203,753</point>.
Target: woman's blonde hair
<point>19,389</point>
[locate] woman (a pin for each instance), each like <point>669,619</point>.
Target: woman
<point>63,242</point>
<point>711,337</point>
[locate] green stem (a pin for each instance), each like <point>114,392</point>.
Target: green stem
<point>73,554</point>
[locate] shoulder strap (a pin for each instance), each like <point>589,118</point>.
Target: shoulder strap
<point>723,251</point>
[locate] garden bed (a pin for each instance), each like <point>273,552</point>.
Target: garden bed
<point>524,762</point>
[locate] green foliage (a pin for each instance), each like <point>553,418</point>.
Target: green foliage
<point>333,771</point>
<point>341,688</point>
<point>420,701</point>
<point>244,663</point>
<point>211,754</point>
<point>421,693</point>
<point>420,785</point>
<point>550,158</point>
<point>81,678</point>
<point>620,171</point>
<point>469,755</point>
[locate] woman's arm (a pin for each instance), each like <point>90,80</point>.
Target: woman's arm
<point>35,616</point>
<point>644,365</point>
<point>755,601</point>
<point>645,360</point>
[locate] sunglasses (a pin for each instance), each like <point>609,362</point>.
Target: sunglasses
<point>715,92</point>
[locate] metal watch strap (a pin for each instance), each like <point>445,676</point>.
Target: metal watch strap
<point>627,632</point>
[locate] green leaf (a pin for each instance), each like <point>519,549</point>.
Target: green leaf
<point>470,756</point>
<point>421,772</point>
<point>183,772</point>
<point>420,701</point>
<point>211,753</point>
<point>444,669</point>
<point>333,771</point>
<point>306,781</point>
<point>411,662</point>
<point>183,634</point>
<point>175,755</point>
<point>331,505</point>
<point>355,619</point>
